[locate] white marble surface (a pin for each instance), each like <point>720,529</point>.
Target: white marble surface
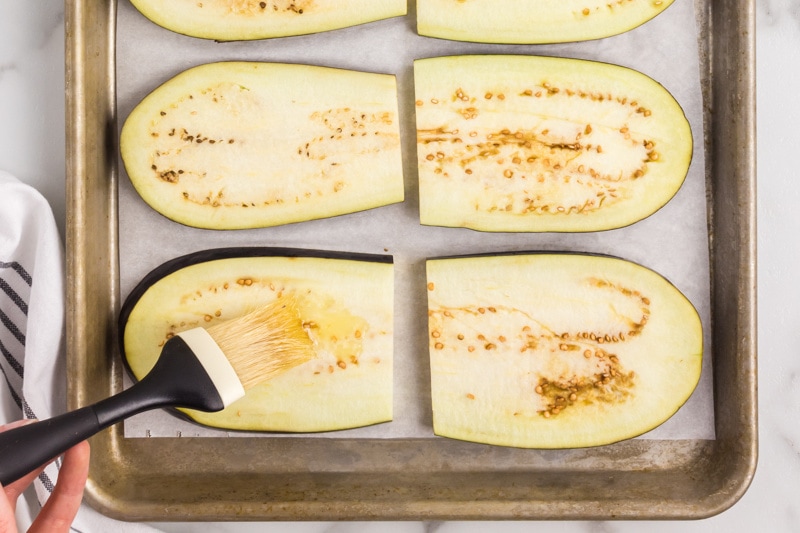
<point>32,147</point>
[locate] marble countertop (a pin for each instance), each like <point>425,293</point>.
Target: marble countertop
<point>31,147</point>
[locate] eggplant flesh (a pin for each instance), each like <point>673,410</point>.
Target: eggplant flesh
<point>239,20</point>
<point>346,306</point>
<point>237,145</point>
<point>532,22</point>
<point>557,350</point>
<point>544,144</point>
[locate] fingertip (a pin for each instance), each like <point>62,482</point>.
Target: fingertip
<point>82,449</point>
<point>76,460</point>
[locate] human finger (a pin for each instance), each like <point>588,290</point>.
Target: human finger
<point>8,520</point>
<point>59,511</point>
<point>15,489</point>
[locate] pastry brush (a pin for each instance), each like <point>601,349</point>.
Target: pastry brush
<point>203,369</point>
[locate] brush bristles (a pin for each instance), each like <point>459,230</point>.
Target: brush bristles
<point>265,342</point>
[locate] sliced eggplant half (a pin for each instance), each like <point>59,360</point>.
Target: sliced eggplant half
<point>532,21</point>
<point>521,143</point>
<point>240,20</point>
<point>346,307</point>
<point>557,350</point>
<point>243,144</point>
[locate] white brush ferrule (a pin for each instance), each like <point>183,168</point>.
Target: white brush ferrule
<point>215,363</point>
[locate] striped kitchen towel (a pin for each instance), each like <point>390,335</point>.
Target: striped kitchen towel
<point>32,360</point>
<point>31,310</point>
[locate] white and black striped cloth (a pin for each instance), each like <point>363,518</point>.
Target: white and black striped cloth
<point>31,311</point>
<point>15,289</point>
<point>32,362</point>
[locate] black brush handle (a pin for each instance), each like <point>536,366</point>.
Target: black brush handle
<point>177,379</point>
<point>25,448</point>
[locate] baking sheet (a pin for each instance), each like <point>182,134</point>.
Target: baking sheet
<point>674,241</point>
<point>213,479</point>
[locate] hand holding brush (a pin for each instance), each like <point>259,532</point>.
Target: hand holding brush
<point>203,369</point>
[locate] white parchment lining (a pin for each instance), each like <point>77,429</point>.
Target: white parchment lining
<point>673,241</point>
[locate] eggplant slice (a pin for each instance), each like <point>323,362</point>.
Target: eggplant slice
<point>532,21</point>
<point>345,302</point>
<point>525,143</point>
<point>237,145</point>
<point>557,350</point>
<point>241,20</point>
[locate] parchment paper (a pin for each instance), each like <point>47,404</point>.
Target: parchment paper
<point>673,241</point>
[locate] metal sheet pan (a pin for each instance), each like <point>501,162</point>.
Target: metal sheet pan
<point>346,479</point>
